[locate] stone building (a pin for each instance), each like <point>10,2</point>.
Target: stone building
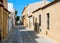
<point>11,19</point>
<point>23,16</point>
<point>45,20</point>
<point>3,19</point>
<point>48,18</point>
<point>27,16</point>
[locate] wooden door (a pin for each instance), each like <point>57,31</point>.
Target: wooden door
<point>35,27</point>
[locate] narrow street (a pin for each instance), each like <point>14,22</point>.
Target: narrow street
<point>19,34</point>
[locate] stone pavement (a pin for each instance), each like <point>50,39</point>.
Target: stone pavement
<point>20,34</point>
<point>45,40</point>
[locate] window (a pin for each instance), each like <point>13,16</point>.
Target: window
<point>39,20</point>
<point>33,20</point>
<point>48,21</point>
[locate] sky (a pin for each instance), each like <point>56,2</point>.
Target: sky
<point>20,4</point>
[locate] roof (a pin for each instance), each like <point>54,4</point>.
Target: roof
<point>46,6</point>
<point>32,7</point>
<point>4,7</point>
<point>24,8</point>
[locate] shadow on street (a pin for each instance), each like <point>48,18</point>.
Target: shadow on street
<point>18,36</point>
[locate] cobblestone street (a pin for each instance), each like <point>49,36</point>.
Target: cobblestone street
<point>22,35</point>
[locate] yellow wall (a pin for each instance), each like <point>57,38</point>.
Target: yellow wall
<point>25,18</point>
<point>29,9</point>
<point>54,11</point>
<point>54,28</point>
<point>3,23</point>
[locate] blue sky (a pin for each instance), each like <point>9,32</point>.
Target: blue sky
<point>19,4</point>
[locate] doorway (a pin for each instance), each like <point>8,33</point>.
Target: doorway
<point>30,22</point>
<point>36,27</point>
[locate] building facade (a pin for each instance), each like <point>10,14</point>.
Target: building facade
<point>3,19</point>
<point>24,19</point>
<point>11,19</point>
<point>28,17</point>
<point>45,20</point>
<point>48,20</point>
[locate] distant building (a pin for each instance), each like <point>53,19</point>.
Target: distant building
<point>10,8</point>
<point>11,19</point>
<point>3,19</point>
